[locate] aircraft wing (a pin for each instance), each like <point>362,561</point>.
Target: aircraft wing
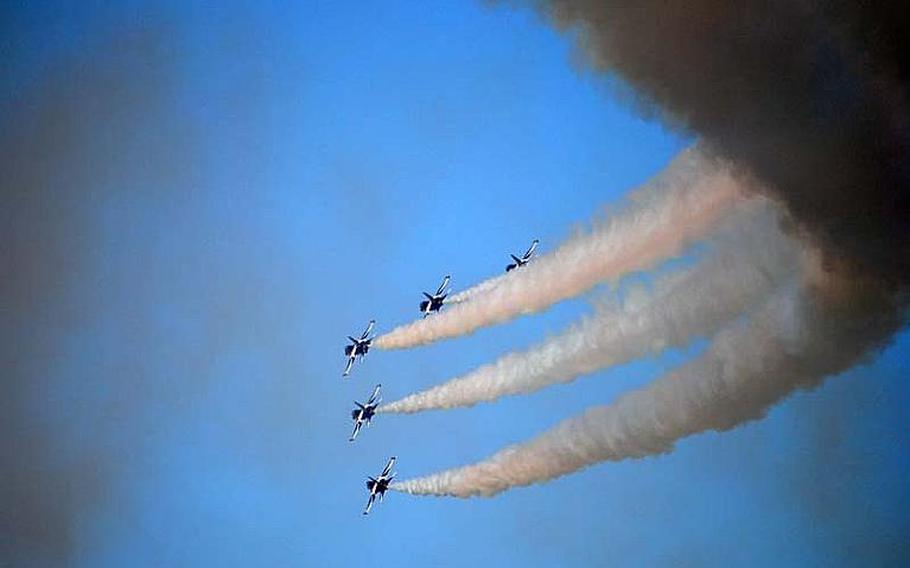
<point>442,287</point>
<point>531,250</point>
<point>369,504</point>
<point>347,369</point>
<point>375,395</point>
<point>367,331</point>
<point>357,425</point>
<point>388,467</point>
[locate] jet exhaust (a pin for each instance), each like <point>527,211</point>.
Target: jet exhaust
<point>805,332</point>
<point>747,261</point>
<point>677,208</point>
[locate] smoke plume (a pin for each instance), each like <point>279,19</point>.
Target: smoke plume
<point>746,263</point>
<point>804,334</point>
<point>809,97</point>
<point>473,291</point>
<point>679,206</point>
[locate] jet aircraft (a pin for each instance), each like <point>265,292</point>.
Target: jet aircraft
<point>378,486</point>
<point>434,302</point>
<point>365,412</point>
<point>358,347</point>
<point>525,258</point>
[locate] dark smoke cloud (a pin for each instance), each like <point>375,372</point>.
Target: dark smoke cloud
<point>811,99</point>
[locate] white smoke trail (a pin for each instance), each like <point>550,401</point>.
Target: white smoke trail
<point>475,290</point>
<point>801,336</point>
<point>748,262</point>
<point>681,205</point>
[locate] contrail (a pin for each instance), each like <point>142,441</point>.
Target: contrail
<point>802,335</point>
<point>748,262</point>
<point>679,206</point>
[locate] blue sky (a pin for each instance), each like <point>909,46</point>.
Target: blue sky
<point>232,191</point>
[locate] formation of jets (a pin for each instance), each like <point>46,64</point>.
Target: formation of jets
<point>363,413</point>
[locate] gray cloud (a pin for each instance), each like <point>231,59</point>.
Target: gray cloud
<point>811,99</point>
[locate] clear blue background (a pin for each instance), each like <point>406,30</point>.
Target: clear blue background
<point>243,186</point>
